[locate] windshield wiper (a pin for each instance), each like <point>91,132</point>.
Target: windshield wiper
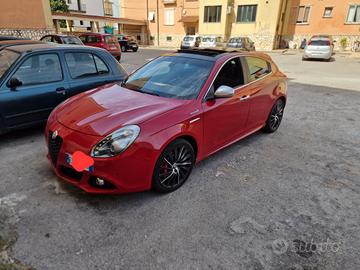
<point>148,93</point>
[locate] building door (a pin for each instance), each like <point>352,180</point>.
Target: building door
<point>190,30</point>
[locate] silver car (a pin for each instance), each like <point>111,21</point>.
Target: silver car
<point>212,42</point>
<point>320,48</point>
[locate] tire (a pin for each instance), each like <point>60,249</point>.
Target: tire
<point>173,166</point>
<point>123,48</point>
<point>135,50</point>
<point>275,116</point>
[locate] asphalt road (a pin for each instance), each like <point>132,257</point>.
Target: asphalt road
<point>288,200</point>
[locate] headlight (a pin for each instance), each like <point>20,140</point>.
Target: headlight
<point>116,143</point>
<point>57,107</point>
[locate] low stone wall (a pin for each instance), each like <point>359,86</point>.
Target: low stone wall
<point>34,34</point>
<point>297,39</point>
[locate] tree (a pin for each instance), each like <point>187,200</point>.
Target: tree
<point>59,6</point>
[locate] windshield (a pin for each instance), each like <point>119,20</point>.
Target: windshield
<point>208,40</point>
<point>7,57</point>
<point>71,40</point>
<point>235,40</point>
<point>171,77</point>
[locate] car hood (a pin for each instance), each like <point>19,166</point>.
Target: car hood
<point>105,110</point>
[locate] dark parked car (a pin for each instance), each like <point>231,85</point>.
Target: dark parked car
<point>127,43</point>
<point>62,39</point>
<point>12,38</point>
<point>150,130</point>
<point>35,78</point>
<point>241,43</point>
<point>104,41</point>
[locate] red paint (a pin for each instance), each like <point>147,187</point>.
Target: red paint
<point>80,161</point>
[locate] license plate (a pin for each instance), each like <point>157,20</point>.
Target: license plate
<point>113,47</point>
<point>69,161</point>
<point>317,53</point>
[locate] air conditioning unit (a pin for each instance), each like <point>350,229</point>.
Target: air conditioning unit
<point>229,9</point>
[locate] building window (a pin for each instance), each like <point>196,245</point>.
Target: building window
<point>169,17</point>
<point>353,15</point>
<point>151,16</point>
<point>300,15</point>
<point>69,1</point>
<point>246,13</point>
<point>152,38</point>
<point>81,23</point>
<point>328,12</point>
<point>168,38</point>
<point>212,14</point>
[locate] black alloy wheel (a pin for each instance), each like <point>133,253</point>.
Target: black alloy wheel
<point>275,117</point>
<point>173,166</point>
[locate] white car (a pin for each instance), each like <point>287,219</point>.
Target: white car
<point>318,48</point>
<point>212,42</point>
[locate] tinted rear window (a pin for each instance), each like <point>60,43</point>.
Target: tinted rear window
<point>188,38</point>
<point>208,40</point>
<point>236,40</point>
<point>319,43</point>
<point>110,39</point>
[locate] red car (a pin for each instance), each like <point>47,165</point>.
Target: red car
<point>106,41</point>
<point>150,130</point>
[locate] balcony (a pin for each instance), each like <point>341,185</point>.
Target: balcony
<point>169,1</point>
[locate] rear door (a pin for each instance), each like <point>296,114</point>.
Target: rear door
<point>43,87</point>
<point>87,70</point>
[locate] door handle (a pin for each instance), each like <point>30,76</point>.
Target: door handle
<point>60,89</point>
<point>245,97</point>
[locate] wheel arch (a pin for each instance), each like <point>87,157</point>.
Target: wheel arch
<point>192,141</point>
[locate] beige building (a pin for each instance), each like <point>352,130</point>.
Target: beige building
<point>260,20</point>
<point>168,20</point>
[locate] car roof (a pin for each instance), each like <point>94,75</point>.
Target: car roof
<point>50,46</point>
<point>214,53</point>
<point>101,34</point>
<point>54,35</point>
<point>20,41</point>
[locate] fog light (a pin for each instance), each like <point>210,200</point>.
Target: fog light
<point>100,182</point>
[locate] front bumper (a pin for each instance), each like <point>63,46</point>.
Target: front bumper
<point>131,171</point>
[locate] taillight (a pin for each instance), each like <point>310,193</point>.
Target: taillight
<point>309,43</point>
<point>126,38</point>
<point>329,42</point>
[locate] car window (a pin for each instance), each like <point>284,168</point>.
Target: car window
<point>188,38</point>
<point>71,40</point>
<point>7,58</point>
<point>208,39</point>
<point>319,42</point>
<point>231,74</point>
<point>38,69</point>
<point>258,67</point>
<point>235,40</point>
<point>171,77</point>
<point>83,39</point>
<point>46,39</point>
<point>83,65</point>
<point>110,39</point>
<point>92,39</point>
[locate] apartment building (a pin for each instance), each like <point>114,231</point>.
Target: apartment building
<point>24,18</point>
<point>338,18</point>
<point>168,20</point>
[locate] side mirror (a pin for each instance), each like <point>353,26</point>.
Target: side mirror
<point>14,82</point>
<point>224,92</point>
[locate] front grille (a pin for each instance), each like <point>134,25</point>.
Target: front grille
<point>71,173</point>
<point>54,147</point>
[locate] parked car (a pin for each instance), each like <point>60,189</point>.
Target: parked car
<point>212,42</point>
<point>11,38</point>
<point>35,78</point>
<point>14,42</point>
<point>62,39</point>
<point>105,41</point>
<point>150,130</point>
<point>320,36</point>
<point>127,43</point>
<point>242,43</point>
<point>190,42</point>
<point>320,48</point>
